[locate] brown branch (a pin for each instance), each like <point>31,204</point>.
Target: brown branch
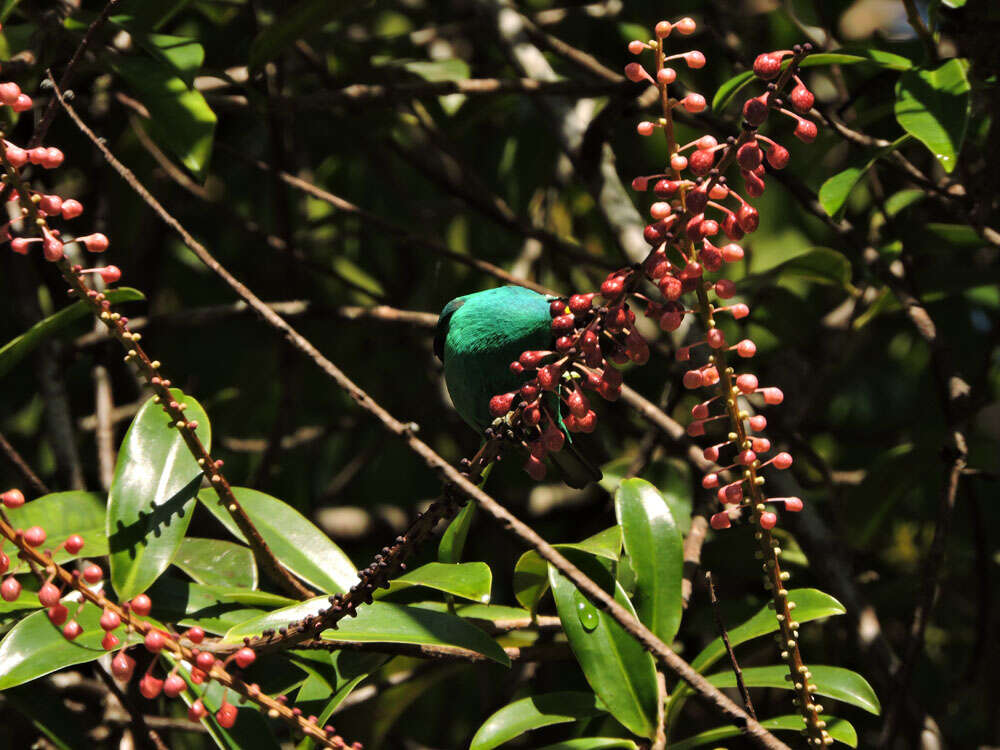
<point>724,634</point>
<point>50,110</point>
<point>343,605</point>
<point>22,467</point>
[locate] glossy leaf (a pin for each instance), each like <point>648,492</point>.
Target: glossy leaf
<point>655,550</point>
<point>33,648</point>
<point>453,540</point>
<point>179,117</point>
<point>217,562</point>
<point>485,612</point>
<point>671,477</point>
<point>820,265</point>
<point>382,622</point>
<point>533,712</point>
<point>296,542</point>
<point>531,576</point>
<point>216,609</point>
<point>62,514</point>
<point>832,682</point>
<point>840,729</point>
<point>616,666</point>
<point>151,500</point>
<point>466,580</point>
<point>833,193</point>
<point>18,348</point>
<point>810,604</point>
<point>933,107</point>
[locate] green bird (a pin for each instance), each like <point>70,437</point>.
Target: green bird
<point>478,336</point>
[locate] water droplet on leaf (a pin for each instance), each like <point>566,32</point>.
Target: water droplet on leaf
<point>587,612</point>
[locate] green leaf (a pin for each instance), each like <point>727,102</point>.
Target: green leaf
<point>655,550</point>
<point>531,578</point>
<point>933,107</point>
<point>901,200</point>
<point>533,712</point>
<point>381,622</point>
<point>593,743</point>
<point>840,729</point>
<point>304,18</point>
<point>179,117</point>
<point>184,55</point>
<point>616,666</point>
<point>484,612</point>
<point>150,503</point>
<point>810,604</point>
<point>881,59</point>
<point>466,580</point>
<point>820,265</point>
<point>832,682</point>
<point>217,562</point>
<point>34,648</point>
<point>214,608</point>
<point>295,541</point>
<point>17,349</point>
<point>453,540</point>
<point>62,514</point>
<point>833,193</point>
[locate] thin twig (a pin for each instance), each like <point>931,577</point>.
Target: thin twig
<point>140,729</point>
<point>16,460</point>
<point>721,624</point>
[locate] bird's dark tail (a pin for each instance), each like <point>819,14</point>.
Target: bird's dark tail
<point>574,468</point>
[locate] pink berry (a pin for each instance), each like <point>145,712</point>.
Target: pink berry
<point>195,634</point>
<point>13,498</point>
<point>666,76</point>
<point>746,348</point>
<point>93,573</point>
<point>150,686</point>
<point>748,217</point>
<point>174,685</point>
<point>110,274</point>
<point>806,131</point>
<point>58,614</point>
<point>49,595</point>
<point>197,711</point>
<point>73,544</point>
<point>725,288</point>
<point>22,104</point>
<point>793,504</point>
<point>663,29</point>
<point>772,396</point>
<point>746,458</point>
<point>694,59</point>
<point>53,158</point>
<point>10,589</point>
<point>740,311</point>
<point>110,620</point>
<point>205,661</point>
<point>693,379</point>
<point>767,66</point>
<point>782,460</point>
<point>660,210</point>
<point>678,162</point>
<point>747,383</point>
<point>686,26</point>
<point>694,103</point>
<point>732,253</point>
<point>52,248</point>
<point>636,47</point>
<point>71,630</point>
<point>716,338</point>
<point>122,666</point>
<point>154,641</point>
<point>758,422</point>
<point>755,111</point>
<point>141,605</point>
<point>246,656</point>
<point>710,481</point>
<point>768,520</point>
<point>50,204</point>
<point>71,208</point>
<point>802,98</point>
<point>4,562</point>
<point>720,521</point>
<point>110,641</point>
<point>35,536</point>
<point>37,155</point>
<point>761,445</point>
<point>778,156</point>
<point>701,161</point>
<point>226,715</point>
<point>636,73</point>
<point>9,92</point>
<point>95,243</point>
<point>644,128</point>
<point>749,155</point>
<point>20,245</point>
<point>17,156</point>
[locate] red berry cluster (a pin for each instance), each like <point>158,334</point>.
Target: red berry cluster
<point>588,340</point>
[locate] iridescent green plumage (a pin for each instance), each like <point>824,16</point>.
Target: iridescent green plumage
<point>478,336</point>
